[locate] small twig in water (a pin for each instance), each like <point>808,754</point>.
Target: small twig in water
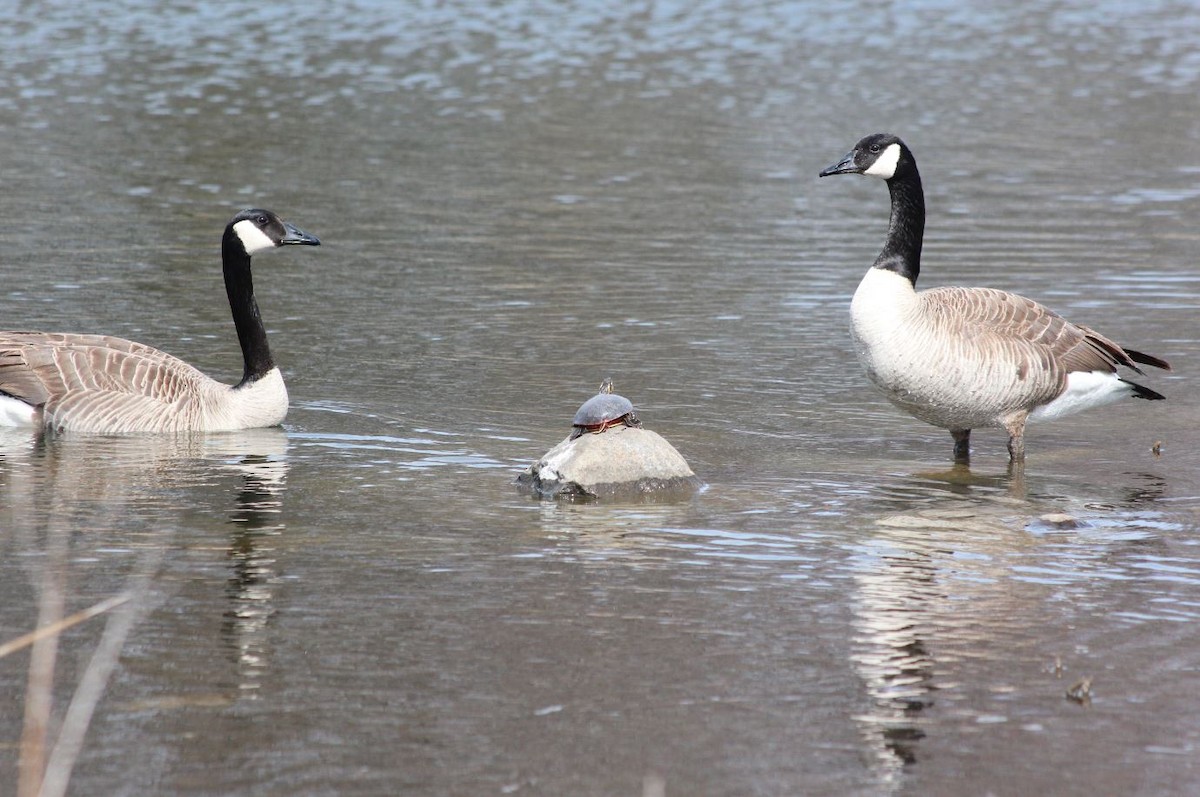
<point>25,640</point>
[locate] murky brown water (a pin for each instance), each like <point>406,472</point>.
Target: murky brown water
<point>515,201</point>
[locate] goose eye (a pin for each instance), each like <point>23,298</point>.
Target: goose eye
<point>875,147</point>
<point>261,220</point>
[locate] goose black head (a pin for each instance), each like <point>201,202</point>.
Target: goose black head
<point>261,230</point>
<point>878,155</point>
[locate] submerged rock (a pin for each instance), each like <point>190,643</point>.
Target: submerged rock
<point>1059,520</point>
<point>622,461</point>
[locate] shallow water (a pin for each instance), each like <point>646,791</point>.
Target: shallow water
<point>516,200</point>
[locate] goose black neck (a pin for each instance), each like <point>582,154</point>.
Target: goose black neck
<point>239,286</point>
<point>902,249</point>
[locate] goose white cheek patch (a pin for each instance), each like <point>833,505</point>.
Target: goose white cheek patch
<point>252,238</point>
<point>885,165</point>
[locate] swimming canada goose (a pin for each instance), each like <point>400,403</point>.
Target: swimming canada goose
<point>962,358</point>
<point>106,385</point>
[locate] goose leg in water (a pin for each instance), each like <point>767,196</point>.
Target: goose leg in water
<point>1015,425</point>
<point>962,444</point>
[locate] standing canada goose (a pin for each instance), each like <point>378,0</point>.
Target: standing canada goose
<point>106,385</point>
<point>962,358</point>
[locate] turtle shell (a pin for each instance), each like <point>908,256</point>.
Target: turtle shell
<point>603,410</point>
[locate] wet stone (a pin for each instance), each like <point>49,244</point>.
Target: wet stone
<point>1059,520</point>
<point>622,462</point>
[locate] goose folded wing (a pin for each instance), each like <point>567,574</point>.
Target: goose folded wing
<point>1008,321</point>
<point>113,382</point>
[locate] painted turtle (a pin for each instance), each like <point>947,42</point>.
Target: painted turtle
<point>604,410</point>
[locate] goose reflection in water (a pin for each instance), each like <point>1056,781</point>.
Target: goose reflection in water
<point>257,520</point>
<point>913,574</point>
<point>939,614</point>
<point>893,658</point>
<point>77,508</point>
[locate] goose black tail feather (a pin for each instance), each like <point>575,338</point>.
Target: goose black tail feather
<point>1147,359</point>
<point>1142,392</point>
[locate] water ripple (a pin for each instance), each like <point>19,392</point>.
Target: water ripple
<point>406,453</point>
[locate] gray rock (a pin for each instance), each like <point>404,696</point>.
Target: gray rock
<point>623,461</point>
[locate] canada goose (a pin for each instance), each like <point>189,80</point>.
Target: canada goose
<point>106,385</point>
<point>961,358</point>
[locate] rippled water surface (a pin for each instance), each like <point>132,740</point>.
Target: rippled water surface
<point>516,200</point>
